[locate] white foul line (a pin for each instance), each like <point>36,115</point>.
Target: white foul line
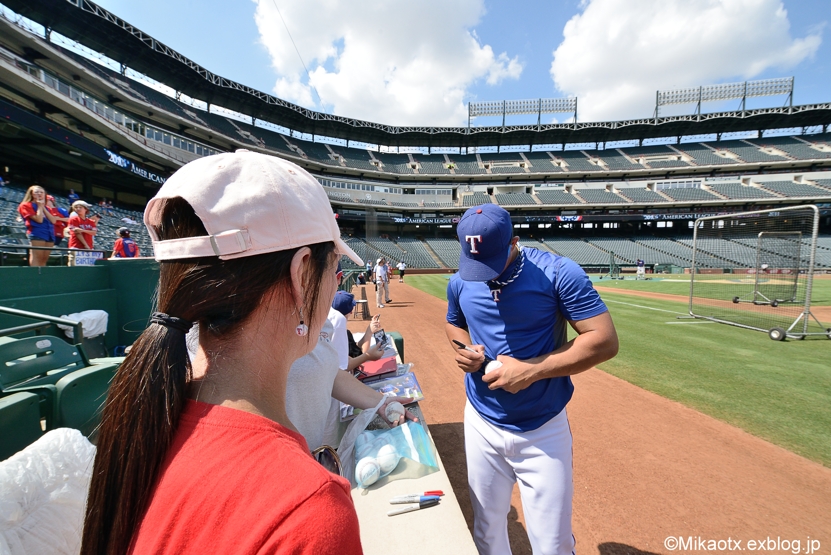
<point>646,307</point>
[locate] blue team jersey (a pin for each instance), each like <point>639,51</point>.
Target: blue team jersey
<point>528,320</point>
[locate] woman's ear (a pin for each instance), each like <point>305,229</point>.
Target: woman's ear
<point>299,275</point>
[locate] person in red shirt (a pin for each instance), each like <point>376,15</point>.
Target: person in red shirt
<point>40,224</point>
<point>125,247</point>
<point>61,218</point>
<point>199,455</point>
<point>82,229</point>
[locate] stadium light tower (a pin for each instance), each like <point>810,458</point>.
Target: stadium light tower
<point>538,106</point>
<point>726,91</point>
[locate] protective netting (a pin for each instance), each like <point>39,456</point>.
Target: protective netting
<point>766,269</point>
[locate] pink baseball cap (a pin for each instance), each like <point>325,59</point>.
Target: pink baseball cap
<point>250,204</point>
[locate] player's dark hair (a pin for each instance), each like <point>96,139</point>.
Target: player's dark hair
<point>148,392</point>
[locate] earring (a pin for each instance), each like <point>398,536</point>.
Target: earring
<point>302,329</point>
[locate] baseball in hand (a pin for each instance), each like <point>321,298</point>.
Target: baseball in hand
<point>387,458</point>
<point>394,411</point>
<point>492,365</point>
<point>367,471</point>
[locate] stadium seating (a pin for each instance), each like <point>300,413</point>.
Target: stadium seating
<point>432,164</point>
<point>395,163</point>
<point>467,164</point>
<point>667,164</point>
<point>793,147</point>
<point>824,183</point>
<point>601,196</point>
<point>448,250</point>
<point>416,255</point>
<point>355,158</point>
<point>580,251</point>
<point>736,191</point>
<point>679,250</point>
<point>475,199</point>
<point>541,162</point>
<point>557,197</point>
<point>318,152</point>
<point>514,199</point>
<point>503,162</point>
<point>649,150</point>
<point>728,252</point>
<point>791,189</point>
<point>641,195</point>
<point>616,161</point>
<point>576,161</point>
<point>703,155</point>
<point>689,194</point>
<point>630,251</point>
<point>748,152</point>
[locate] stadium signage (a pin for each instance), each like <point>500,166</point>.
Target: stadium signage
<point>129,165</point>
<point>681,216</point>
<point>426,220</point>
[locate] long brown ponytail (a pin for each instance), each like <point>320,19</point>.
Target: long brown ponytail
<point>148,392</point>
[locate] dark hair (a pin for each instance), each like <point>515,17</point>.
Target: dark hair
<point>148,391</point>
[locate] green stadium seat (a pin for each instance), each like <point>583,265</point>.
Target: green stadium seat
<point>38,360</point>
<point>19,423</point>
<point>399,343</point>
<point>36,365</point>
<point>80,398</point>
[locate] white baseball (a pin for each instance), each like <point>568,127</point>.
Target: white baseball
<point>394,411</point>
<point>387,458</point>
<point>367,471</point>
<point>492,365</point>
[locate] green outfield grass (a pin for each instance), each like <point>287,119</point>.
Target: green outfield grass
<point>779,391</point>
<point>679,284</point>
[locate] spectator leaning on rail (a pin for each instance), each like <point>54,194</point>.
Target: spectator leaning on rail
<point>125,247</point>
<point>512,304</point>
<point>82,229</point>
<point>201,457</point>
<point>40,224</point>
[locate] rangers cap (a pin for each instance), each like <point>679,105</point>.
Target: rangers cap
<point>250,204</point>
<point>485,232</point>
<point>344,302</point>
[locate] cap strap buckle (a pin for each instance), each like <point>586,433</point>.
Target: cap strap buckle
<point>221,244</point>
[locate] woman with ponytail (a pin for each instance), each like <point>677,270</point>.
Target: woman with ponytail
<point>200,457</point>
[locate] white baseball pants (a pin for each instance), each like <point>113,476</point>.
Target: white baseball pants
<point>379,293</point>
<point>386,290</point>
<point>540,460</point>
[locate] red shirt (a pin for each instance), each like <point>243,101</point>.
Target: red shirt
<point>43,230</point>
<point>75,221</point>
<point>59,226</point>
<point>235,482</point>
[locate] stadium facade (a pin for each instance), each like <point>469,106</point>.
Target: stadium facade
<point>71,122</point>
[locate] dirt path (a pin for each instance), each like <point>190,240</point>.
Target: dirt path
<point>823,313</point>
<point>645,467</point>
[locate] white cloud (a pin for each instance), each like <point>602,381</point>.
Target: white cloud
<point>617,53</point>
<point>401,63</point>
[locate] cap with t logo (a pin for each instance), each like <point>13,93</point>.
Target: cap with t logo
<point>485,233</point>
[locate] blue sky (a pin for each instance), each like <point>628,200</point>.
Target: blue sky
<point>421,62</point>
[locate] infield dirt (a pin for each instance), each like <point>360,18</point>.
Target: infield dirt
<point>645,468</point>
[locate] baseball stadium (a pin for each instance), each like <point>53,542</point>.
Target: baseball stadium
<point>707,235</point>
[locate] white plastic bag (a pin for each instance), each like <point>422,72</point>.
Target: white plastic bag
<point>43,491</point>
<point>93,322</point>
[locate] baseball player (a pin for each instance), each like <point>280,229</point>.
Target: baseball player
<point>381,279</point>
<point>402,267</point>
<point>511,304</point>
<point>641,270</point>
<point>124,246</point>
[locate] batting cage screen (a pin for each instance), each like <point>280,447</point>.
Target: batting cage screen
<point>755,270</point>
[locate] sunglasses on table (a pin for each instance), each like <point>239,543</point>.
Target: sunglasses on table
<point>328,459</point>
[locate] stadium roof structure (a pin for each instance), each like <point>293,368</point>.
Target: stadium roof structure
<point>96,28</point>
